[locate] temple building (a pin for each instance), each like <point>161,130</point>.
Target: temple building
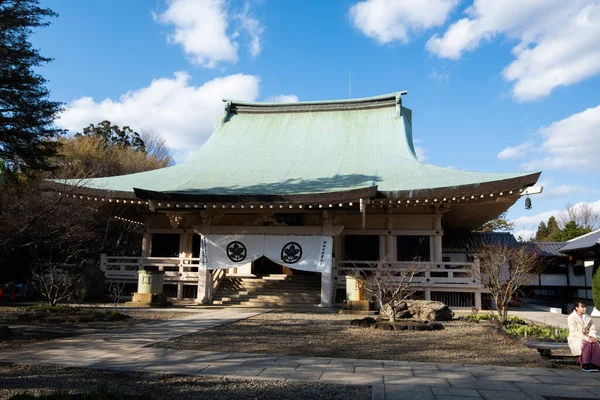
<point>306,191</point>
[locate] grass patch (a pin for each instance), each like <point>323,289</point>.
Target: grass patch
<point>82,396</point>
<point>101,393</point>
<point>540,331</point>
<point>479,317</point>
<point>44,314</point>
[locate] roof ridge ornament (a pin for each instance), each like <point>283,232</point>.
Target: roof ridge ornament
<point>399,101</point>
<point>228,104</point>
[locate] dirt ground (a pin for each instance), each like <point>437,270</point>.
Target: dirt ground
<point>330,335</point>
<point>34,330</point>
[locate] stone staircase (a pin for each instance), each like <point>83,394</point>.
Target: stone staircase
<point>269,291</point>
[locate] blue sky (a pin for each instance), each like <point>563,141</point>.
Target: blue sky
<point>494,86</point>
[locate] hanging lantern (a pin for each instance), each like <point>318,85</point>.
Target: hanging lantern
<point>528,203</point>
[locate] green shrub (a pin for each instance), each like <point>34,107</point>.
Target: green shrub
<point>116,316</point>
<point>514,320</point>
<point>540,331</point>
<point>44,308</point>
<point>479,317</point>
<point>100,394</point>
<point>596,286</point>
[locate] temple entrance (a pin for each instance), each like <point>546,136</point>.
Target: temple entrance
<point>264,266</point>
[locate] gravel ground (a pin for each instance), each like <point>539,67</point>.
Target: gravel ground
<point>330,335</point>
<point>48,331</point>
<point>39,380</point>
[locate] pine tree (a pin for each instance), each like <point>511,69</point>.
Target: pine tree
<point>570,231</point>
<point>26,113</point>
<point>553,230</point>
<point>542,233</point>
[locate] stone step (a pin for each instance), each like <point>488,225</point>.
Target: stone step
<point>274,305</point>
<point>268,297</point>
<point>271,290</point>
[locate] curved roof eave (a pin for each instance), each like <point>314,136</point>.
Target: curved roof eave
<point>296,151</point>
<point>502,185</point>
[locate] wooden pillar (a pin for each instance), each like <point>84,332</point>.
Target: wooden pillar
<point>204,274</point>
<point>337,256</point>
<point>390,240</point>
<point>437,239</point>
<point>436,246</point>
<point>326,276</point>
<point>477,272</point>
<point>146,244</point>
<point>185,251</point>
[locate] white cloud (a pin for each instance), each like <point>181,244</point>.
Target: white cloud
<point>183,113</point>
<point>420,151</point>
<point>559,191</point>
<point>439,76</point>
<point>389,21</point>
<point>571,143</point>
<point>527,226</point>
<point>201,28</point>
<point>557,41</point>
<point>515,152</point>
<point>283,98</point>
<point>253,28</point>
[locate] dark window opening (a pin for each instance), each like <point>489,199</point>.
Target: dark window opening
<point>361,248</point>
<point>413,248</point>
<point>165,245</point>
<point>196,246</point>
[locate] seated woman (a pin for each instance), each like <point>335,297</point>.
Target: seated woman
<point>582,338</point>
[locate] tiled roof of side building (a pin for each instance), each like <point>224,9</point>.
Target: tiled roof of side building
<point>582,242</point>
<point>549,249</point>
<point>473,240</point>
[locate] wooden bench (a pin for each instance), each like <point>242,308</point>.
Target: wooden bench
<point>548,359</point>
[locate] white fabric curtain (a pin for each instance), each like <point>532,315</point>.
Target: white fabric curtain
<point>306,253</point>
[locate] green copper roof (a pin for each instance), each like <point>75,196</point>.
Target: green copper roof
<point>307,148</point>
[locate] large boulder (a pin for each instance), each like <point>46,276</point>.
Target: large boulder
<point>401,311</point>
<point>427,310</point>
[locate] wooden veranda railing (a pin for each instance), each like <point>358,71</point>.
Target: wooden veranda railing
<point>431,274</point>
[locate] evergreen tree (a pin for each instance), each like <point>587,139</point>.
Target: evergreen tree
<point>570,231</point>
<point>553,230</point>
<point>26,113</point>
<point>542,233</point>
<point>114,135</point>
<point>500,223</point>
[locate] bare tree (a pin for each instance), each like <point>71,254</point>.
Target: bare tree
<point>582,214</point>
<point>54,283</point>
<point>503,270</point>
<point>389,285</point>
<point>155,146</point>
<point>115,291</point>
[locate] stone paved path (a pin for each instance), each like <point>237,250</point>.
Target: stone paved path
<point>125,349</point>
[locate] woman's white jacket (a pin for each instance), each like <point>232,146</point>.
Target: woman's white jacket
<point>580,329</point>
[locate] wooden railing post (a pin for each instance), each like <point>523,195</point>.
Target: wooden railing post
<point>103,262</point>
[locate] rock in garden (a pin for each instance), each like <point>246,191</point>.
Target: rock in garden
<point>385,327</point>
<point>436,326</point>
<point>401,311</point>
<point>365,323</point>
<point>423,327</point>
<point>427,310</point>
<point>5,332</point>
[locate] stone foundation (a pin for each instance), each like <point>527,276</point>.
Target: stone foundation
<point>147,300</point>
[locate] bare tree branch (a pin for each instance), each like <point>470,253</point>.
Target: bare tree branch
<point>390,285</point>
<point>503,270</point>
